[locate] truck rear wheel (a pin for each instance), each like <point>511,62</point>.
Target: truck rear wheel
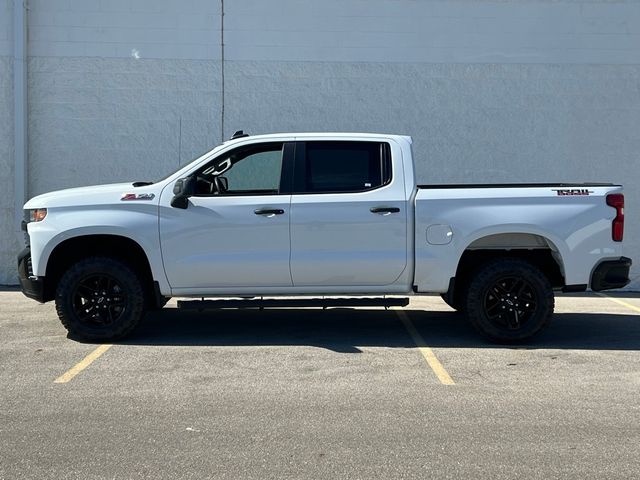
<point>99,299</point>
<point>509,300</point>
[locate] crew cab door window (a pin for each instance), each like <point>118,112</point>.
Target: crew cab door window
<point>342,167</point>
<point>252,170</point>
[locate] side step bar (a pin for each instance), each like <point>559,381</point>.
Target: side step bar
<point>293,302</point>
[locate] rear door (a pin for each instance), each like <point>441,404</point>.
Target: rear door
<point>348,215</point>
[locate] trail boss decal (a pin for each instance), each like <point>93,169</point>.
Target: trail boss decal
<point>572,191</point>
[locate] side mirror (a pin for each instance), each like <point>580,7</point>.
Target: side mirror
<point>182,190</point>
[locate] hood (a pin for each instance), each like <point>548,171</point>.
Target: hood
<point>92,195</point>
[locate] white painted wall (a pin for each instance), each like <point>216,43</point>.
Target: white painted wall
<point>490,90</point>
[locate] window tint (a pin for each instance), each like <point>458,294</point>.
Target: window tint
<point>252,170</point>
<point>345,166</point>
<point>259,171</point>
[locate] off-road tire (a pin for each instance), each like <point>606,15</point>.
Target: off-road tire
<point>489,299</point>
<point>124,287</point>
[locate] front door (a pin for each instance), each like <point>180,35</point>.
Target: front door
<point>235,231</point>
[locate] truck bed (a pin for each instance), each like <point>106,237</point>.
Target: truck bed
<point>572,220</point>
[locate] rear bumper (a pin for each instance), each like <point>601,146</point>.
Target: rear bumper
<point>32,286</point>
<point>611,274</point>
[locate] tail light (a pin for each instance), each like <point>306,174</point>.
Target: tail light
<point>616,200</point>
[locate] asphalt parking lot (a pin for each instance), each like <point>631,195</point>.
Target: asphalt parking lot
<point>307,393</point>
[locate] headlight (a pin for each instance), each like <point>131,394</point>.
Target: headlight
<point>37,214</point>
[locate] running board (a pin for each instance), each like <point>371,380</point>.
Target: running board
<point>293,302</point>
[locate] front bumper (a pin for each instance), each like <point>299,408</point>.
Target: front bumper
<point>32,286</point>
<point>611,274</point>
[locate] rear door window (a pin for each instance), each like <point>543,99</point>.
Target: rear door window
<point>338,166</point>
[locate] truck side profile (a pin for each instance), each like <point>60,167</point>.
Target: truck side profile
<point>326,214</point>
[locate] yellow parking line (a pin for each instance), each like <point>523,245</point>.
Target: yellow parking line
<point>426,352</point>
<point>82,364</point>
<point>620,302</point>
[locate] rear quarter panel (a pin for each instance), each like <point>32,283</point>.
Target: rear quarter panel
<point>577,227</point>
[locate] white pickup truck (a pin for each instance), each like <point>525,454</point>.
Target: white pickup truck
<point>324,214</point>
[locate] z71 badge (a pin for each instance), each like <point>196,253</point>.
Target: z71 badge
<point>137,196</point>
<point>572,191</point>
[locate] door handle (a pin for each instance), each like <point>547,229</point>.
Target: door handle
<point>269,211</point>
<point>384,209</point>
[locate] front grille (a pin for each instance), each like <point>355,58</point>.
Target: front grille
<point>27,240</point>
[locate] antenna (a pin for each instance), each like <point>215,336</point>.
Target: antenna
<point>239,134</point>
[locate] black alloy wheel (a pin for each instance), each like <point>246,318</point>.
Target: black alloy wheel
<point>100,299</point>
<point>509,300</point>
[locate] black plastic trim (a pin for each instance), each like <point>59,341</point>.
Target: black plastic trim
<point>268,211</point>
<point>294,302</point>
<point>32,287</point>
<point>384,209</point>
<point>575,288</point>
<point>157,295</point>
<point>451,290</point>
<point>288,164</point>
<point>239,134</point>
<point>611,274</point>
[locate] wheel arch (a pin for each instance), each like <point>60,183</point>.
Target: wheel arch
<point>122,248</point>
<point>537,249</point>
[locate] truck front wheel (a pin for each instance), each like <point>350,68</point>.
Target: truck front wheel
<point>99,299</point>
<point>509,300</point>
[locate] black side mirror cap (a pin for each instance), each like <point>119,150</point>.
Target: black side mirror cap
<point>182,190</point>
<point>178,186</point>
<point>180,202</point>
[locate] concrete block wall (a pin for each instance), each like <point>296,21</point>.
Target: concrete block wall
<point>491,91</point>
<point>10,243</point>
<point>104,120</point>
<point>436,31</point>
<point>120,90</point>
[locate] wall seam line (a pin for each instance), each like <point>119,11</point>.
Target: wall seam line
<point>222,69</point>
<point>20,111</point>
